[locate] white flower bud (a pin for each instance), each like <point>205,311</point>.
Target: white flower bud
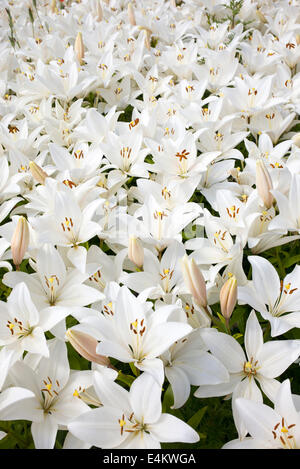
<point>136,252</point>
<point>86,345</point>
<point>147,39</point>
<point>37,172</point>
<point>99,11</point>
<point>79,48</point>
<point>228,297</point>
<point>261,16</point>
<point>131,15</point>
<point>296,140</point>
<point>53,6</point>
<point>264,184</point>
<point>20,241</point>
<point>194,281</point>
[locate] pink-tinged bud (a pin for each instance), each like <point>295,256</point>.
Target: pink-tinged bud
<point>79,48</point>
<point>147,39</point>
<point>131,15</point>
<point>296,140</point>
<point>53,6</point>
<point>20,241</point>
<point>86,345</point>
<point>261,16</point>
<point>136,252</point>
<point>264,184</point>
<point>228,297</point>
<point>194,281</point>
<point>99,11</point>
<point>37,172</point>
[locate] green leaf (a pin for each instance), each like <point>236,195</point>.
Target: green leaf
<point>195,420</point>
<point>168,400</point>
<point>291,261</point>
<point>126,379</point>
<point>8,442</point>
<point>222,319</point>
<point>237,335</point>
<point>134,370</point>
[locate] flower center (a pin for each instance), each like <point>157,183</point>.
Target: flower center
<point>285,436</point>
<point>130,424</point>
<point>52,284</point>
<point>50,391</point>
<point>250,368</point>
<point>277,309</point>
<point>17,329</point>
<point>138,329</point>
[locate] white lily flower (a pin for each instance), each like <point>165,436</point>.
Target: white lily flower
<point>130,331</point>
<point>273,300</point>
<point>187,363</point>
<point>131,419</point>
<point>69,226</point>
<point>277,428</point>
<point>58,395</point>
<point>23,327</point>
<point>263,362</point>
<point>53,285</point>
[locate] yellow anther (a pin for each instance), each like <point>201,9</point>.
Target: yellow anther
<point>122,423</point>
<point>75,393</point>
<point>284,430</point>
<point>248,365</point>
<point>134,324</point>
<point>166,271</point>
<point>244,197</point>
<point>11,326</point>
<point>48,386</point>
<point>230,274</point>
<point>287,286</point>
<point>187,307</point>
<point>109,304</point>
<point>232,208</point>
<point>277,165</point>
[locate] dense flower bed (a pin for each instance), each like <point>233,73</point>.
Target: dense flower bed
<point>150,224</point>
